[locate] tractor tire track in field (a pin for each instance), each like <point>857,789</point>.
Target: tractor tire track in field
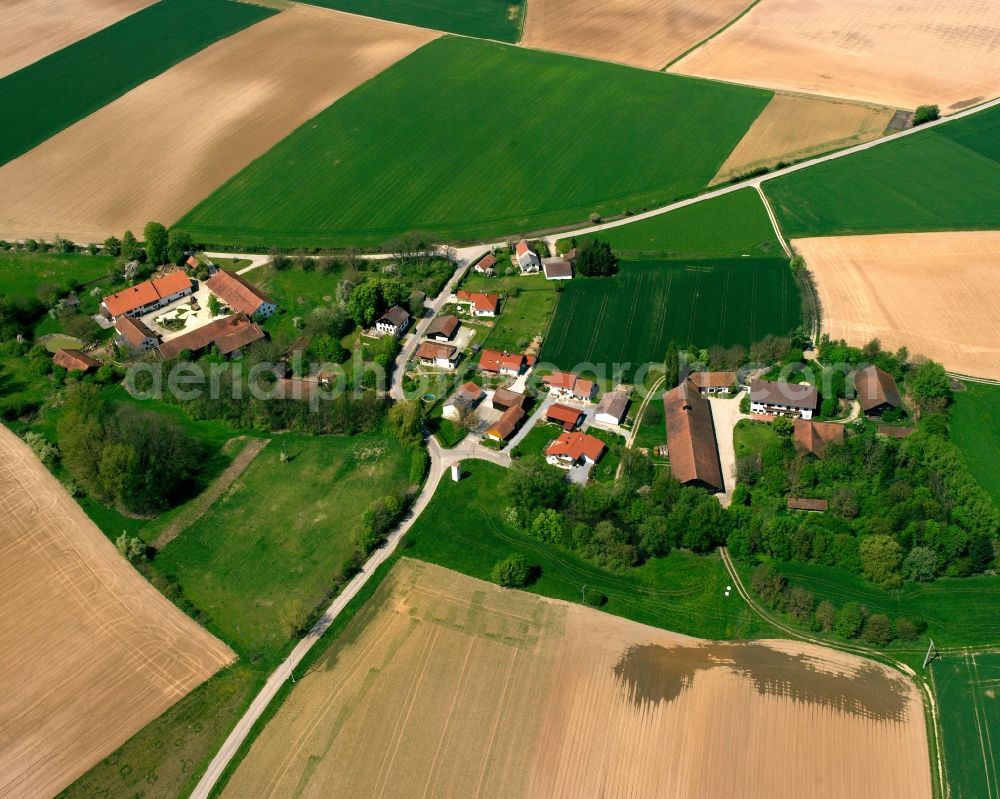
<point>722,309</point>
<point>982,727</point>
<point>631,318</point>
<point>598,322</point>
<point>665,305</point>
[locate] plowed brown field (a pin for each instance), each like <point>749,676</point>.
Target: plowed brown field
<point>935,293</point>
<point>89,651</point>
<point>33,29</point>
<point>447,686</point>
<point>794,127</point>
<point>158,150</point>
<point>644,33</point>
<point>892,52</point>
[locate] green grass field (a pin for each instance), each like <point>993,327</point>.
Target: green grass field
<point>958,612</point>
<point>975,428</point>
<point>267,551</point>
<point>652,425</point>
<point>527,312</point>
<point>484,140</point>
<point>22,274</point>
<point>463,529</point>
<point>947,178</point>
<point>631,317</point>
<point>60,89</point>
<point>487,19</point>
<point>968,698</point>
<point>731,225</point>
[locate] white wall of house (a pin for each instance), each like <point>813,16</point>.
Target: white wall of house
<point>780,410</point>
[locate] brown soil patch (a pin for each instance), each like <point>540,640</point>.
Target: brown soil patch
<point>448,686</point>
<point>644,33</point>
<point>89,651</point>
<point>159,149</point>
<point>935,293</point>
<point>33,29</point>
<point>894,52</point>
<point>794,127</point>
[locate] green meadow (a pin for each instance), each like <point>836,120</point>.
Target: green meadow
<point>64,87</point>
<point>975,428</point>
<point>945,178</point>
<point>22,274</point>
<point>486,19</point>
<point>468,139</point>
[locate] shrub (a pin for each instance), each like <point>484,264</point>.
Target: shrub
<point>850,620</point>
<point>925,113</point>
<point>877,629</point>
<point>511,572</point>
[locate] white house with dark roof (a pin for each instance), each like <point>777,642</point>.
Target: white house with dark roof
<point>773,398</point>
<point>393,322</point>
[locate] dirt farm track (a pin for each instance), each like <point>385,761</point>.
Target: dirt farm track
<point>934,293</point>
<point>90,652</point>
<point>447,686</point>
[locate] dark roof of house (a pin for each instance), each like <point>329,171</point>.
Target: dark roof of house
<point>134,331</point>
<point>896,431</point>
<point>432,350</point>
<point>74,361</point>
<point>788,395</point>
<point>557,267</point>
<point>693,450</point>
<point>813,437</point>
<point>444,326</point>
<point>505,398</point>
<point>614,403</point>
<point>800,503</point>
<point>396,316</point>
<point>507,424</point>
<point>228,334</point>
<point>713,379</point>
<point>237,293</point>
<point>876,387</point>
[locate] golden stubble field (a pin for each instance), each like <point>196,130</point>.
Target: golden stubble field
<point>447,686</point>
<point>935,293</point>
<point>793,127</point>
<point>162,147</point>
<point>33,29</point>
<point>643,33</point>
<point>901,53</point>
<point>89,651</point>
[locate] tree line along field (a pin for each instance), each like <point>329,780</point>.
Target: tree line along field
<point>631,318</point>
<point>967,687</point>
<point>53,93</point>
<point>732,224</point>
<point>944,178</point>
<point>487,19</point>
<point>975,428</point>
<point>517,140</point>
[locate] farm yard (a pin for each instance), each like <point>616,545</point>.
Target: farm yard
<point>33,30</point>
<point>975,428</point>
<point>52,94</point>
<point>436,657</point>
<point>631,317</point>
<point>350,179</point>
<point>731,225</point>
<point>642,33</point>
<point>967,696</point>
<point>488,19</point>
<point>934,293</point>
<point>260,88</point>
<point>795,127</point>
<point>878,51</point>
<point>94,650</point>
<point>947,178</point>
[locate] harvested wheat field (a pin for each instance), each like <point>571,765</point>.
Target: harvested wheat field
<point>935,293</point>
<point>33,29</point>
<point>447,686</point>
<point>794,127</point>
<point>901,53</point>
<point>158,150</point>
<point>89,651</point>
<point>643,33</point>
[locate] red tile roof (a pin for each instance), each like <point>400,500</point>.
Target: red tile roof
<point>504,398</point>
<point>228,334</point>
<point>691,444</point>
<point>504,428</point>
<point>147,292</point>
<point>576,446</point>
<point>813,437</point>
<point>713,379</point>
<point>237,293</point>
<point>480,301</point>
<point>172,283</point>
<point>563,380</point>
<point>133,330</point>
<point>494,361</point>
<point>487,262</point>
<point>876,387</point>
<point>584,388</point>
<point>74,361</point>
<point>563,414</point>
<point>522,247</point>
<point>799,503</point>
<point>433,350</point>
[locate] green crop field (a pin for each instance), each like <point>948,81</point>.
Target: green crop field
<point>731,225</point>
<point>267,551</point>
<point>481,140</point>
<point>488,19</point>
<point>22,274</point>
<point>968,699</point>
<point>53,93</point>
<point>463,529</point>
<point>631,317</point>
<point>946,178</point>
<point>975,428</point>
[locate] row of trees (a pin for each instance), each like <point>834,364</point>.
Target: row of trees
<point>159,246</point>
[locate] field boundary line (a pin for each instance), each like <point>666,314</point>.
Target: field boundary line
<point>711,36</point>
<point>774,221</point>
<point>983,730</point>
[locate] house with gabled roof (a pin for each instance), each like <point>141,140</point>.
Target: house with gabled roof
<point>876,391</point>
<point>148,296</point>
<point>239,295</point>
<point>393,322</point>
<point>480,305</point>
<point>440,356</point>
<point>467,398</point>
<point>507,424</point>
<point>504,398</point>
<point>73,360</point>
<point>809,505</point>
<point>557,269</point>
<point>229,334</point>
<point>486,265</point>
<point>613,408</point>
<point>713,382</point>
<point>567,384</point>
<point>812,438</point>
<point>564,415</point>
<point>574,449</point>
<point>507,364</point>
<point>134,335</point>
<point>691,443</point>
<point>775,398</point>
<point>526,258</point>
<point>443,328</point>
